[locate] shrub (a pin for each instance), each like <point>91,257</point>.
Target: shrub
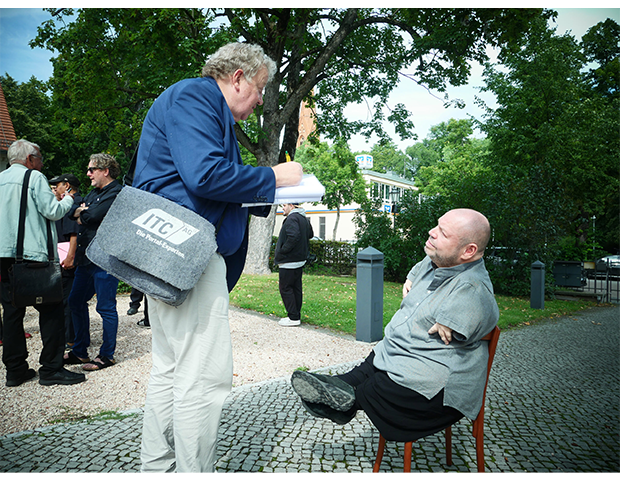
<point>332,258</point>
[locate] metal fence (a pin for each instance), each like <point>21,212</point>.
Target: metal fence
<point>605,285</point>
<point>602,282</point>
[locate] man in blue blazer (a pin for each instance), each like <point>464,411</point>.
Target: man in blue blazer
<point>189,154</point>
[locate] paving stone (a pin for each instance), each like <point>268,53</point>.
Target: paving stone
<point>552,406</point>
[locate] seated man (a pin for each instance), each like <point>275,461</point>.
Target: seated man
<point>430,369</point>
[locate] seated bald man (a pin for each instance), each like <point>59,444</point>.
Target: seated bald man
<point>430,368</point>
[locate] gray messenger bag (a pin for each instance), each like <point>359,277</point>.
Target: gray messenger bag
<point>157,246</point>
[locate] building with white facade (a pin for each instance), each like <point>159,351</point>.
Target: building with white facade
<point>389,187</point>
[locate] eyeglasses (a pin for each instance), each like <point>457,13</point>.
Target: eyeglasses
<point>40,157</point>
<point>92,169</point>
<point>260,91</point>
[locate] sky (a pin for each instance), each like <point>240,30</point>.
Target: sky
<point>19,25</point>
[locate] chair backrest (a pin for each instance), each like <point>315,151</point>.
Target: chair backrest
<point>492,337</point>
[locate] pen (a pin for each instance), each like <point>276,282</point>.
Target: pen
<point>288,157</point>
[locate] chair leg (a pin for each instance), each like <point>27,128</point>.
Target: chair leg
<point>380,449</point>
<point>407,459</point>
<point>480,453</point>
<point>448,435</point>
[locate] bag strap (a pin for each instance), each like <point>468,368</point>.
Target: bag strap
<point>50,242</point>
<point>21,227</point>
<point>128,178</point>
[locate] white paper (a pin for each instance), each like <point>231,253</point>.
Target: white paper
<point>309,190</point>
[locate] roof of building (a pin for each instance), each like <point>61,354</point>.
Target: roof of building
<point>391,177</point>
<point>7,133</point>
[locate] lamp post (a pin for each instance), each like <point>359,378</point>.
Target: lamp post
<point>594,237</point>
<point>394,197</point>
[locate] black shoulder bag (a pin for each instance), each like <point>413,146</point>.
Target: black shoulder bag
<point>34,283</point>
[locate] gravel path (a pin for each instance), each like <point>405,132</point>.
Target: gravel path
<point>262,350</point>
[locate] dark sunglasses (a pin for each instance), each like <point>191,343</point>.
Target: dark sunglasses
<point>92,169</point>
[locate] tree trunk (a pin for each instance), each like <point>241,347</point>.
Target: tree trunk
<point>261,232</point>
<point>261,229</point>
<point>336,224</point>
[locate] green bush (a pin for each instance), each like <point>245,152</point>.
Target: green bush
<point>570,249</point>
<point>332,258</point>
<point>123,287</point>
<point>399,237</point>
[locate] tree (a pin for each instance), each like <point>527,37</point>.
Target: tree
<point>600,45</point>
<point>600,110</point>
<point>447,139</point>
<point>29,108</point>
<point>335,167</point>
<point>388,158</point>
<point>400,238</point>
<point>120,60</point>
<point>113,63</point>
<point>420,155</point>
<point>555,136</point>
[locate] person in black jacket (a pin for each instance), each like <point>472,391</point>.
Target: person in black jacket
<point>67,230</point>
<point>291,254</point>
<point>89,278</point>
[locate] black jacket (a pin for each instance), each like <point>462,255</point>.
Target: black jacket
<point>98,202</point>
<point>294,238</point>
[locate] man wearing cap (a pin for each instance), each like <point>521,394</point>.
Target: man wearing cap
<point>67,231</point>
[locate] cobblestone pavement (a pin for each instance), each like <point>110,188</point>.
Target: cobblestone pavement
<point>552,406</point>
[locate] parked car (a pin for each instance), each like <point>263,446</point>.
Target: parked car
<point>610,263</point>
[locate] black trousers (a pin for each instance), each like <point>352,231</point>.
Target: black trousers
<point>67,284</point>
<point>14,349</point>
<point>291,291</point>
<point>135,297</point>
<point>399,413</point>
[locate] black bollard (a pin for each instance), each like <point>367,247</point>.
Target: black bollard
<point>369,303</point>
<point>537,296</point>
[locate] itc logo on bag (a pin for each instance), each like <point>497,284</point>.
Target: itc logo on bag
<point>165,226</point>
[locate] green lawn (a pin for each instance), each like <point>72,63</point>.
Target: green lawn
<point>331,302</point>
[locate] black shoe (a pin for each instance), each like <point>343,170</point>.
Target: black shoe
<point>71,358</point>
<point>323,411</point>
<point>132,311</point>
<point>144,323</point>
<point>62,377</point>
<point>16,382</point>
<point>317,388</point>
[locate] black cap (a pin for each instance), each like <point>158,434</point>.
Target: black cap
<point>65,177</point>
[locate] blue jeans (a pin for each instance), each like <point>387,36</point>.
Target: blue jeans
<point>90,279</point>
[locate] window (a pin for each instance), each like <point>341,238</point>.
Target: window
<point>374,192</point>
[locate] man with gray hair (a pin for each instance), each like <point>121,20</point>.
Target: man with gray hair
<point>188,153</point>
<point>42,205</point>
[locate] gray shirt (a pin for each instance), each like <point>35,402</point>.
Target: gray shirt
<point>460,298</point>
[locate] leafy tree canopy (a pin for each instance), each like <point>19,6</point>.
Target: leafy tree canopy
<point>112,63</point>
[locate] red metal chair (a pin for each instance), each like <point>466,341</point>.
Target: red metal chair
<point>478,425</point>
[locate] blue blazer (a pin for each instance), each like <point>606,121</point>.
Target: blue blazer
<point>189,154</point>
